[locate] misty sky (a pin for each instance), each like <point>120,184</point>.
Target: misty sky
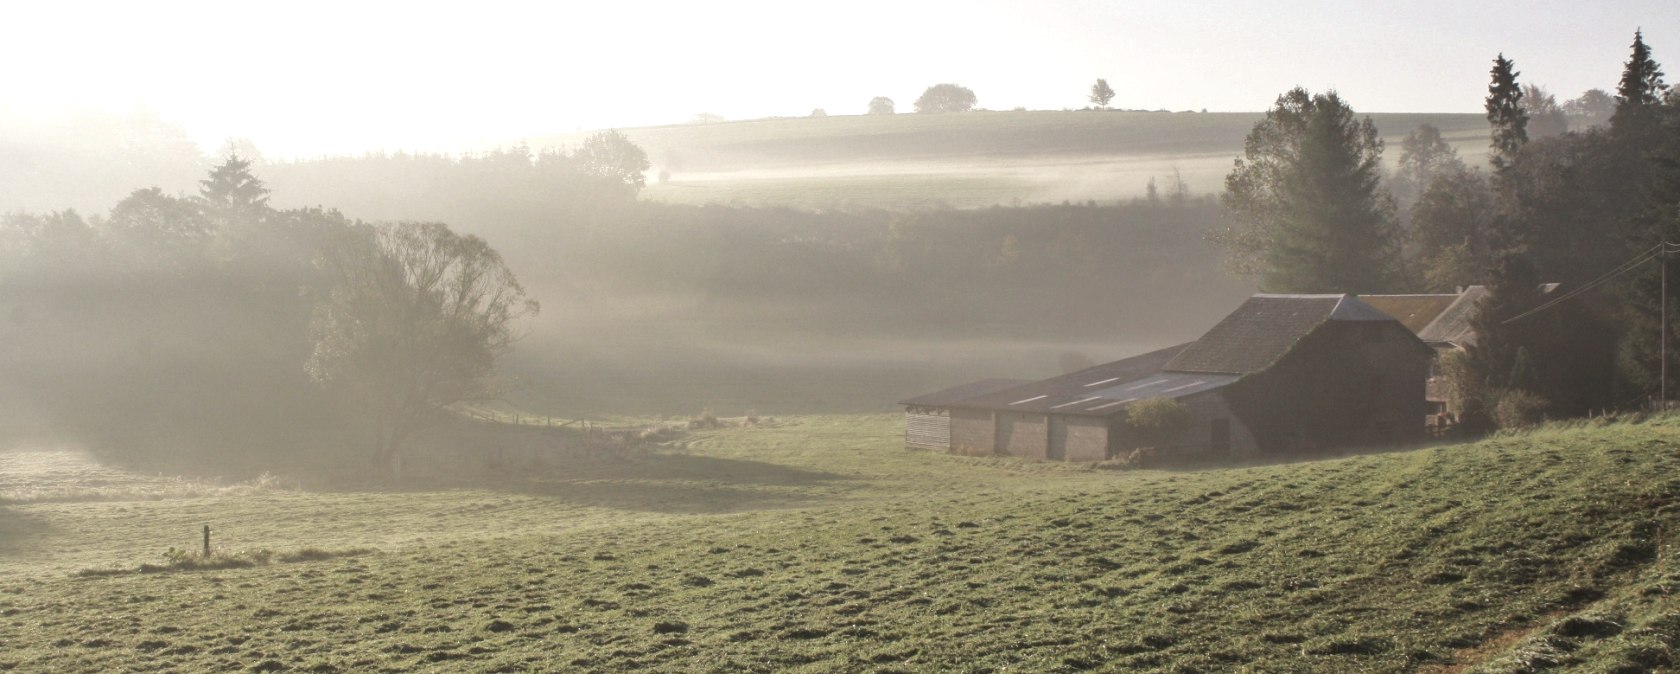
<point>305,78</point>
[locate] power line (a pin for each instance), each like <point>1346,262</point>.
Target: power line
<point>1642,257</point>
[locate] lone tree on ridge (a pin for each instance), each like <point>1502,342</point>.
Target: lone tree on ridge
<point>1101,93</point>
<point>946,98</point>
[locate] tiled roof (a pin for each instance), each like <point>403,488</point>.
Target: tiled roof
<point>1264,328</point>
<point>1452,326</point>
<point>955,393</point>
<point>1413,311</point>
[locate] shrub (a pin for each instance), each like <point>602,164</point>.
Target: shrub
<point>1517,409</point>
<point>706,420</point>
<point>1470,400</point>
<point>1157,419</point>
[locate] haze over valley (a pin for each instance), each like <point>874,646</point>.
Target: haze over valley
<point>984,336</point>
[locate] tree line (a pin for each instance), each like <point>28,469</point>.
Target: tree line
<point>191,321</point>
<point>222,320</point>
<point>1313,211</point>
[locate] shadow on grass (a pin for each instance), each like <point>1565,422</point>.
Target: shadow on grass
<point>683,484</point>
<point>698,468</point>
<point>19,531</point>
<point>685,498</point>
<point>664,483</point>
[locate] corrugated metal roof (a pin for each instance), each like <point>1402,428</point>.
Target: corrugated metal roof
<point>1413,311</point>
<point>1264,328</point>
<point>1063,394</point>
<point>945,397</point>
<point>1163,385</point>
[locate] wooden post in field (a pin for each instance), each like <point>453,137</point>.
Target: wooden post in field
<point>206,540</point>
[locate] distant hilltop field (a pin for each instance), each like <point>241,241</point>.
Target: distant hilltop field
<point>968,160</point>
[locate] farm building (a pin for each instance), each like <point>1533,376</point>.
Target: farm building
<point>1445,323</point>
<point>1066,418</point>
<point>1282,374</point>
<point>1418,313</point>
<point>927,418</point>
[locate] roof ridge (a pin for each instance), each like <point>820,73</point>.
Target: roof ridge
<point>1351,308</point>
<point>1300,296</point>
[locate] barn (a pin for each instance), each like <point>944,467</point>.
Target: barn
<point>1283,374</point>
<point>927,418</point>
<point>1063,418</point>
<point>1581,328</point>
<point>1316,373</point>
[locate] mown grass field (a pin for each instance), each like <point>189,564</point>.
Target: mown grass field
<point>968,160</point>
<point>818,544</point>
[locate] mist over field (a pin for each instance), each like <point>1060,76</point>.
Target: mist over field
<point>666,305</point>
<point>879,337</point>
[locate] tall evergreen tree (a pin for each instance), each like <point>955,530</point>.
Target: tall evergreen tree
<point>1641,300</point>
<point>1505,112</point>
<point>1640,90</point>
<point>231,194</point>
<point>1310,211</point>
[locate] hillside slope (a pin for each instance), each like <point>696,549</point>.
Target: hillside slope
<point>820,545</point>
<point>967,160</point>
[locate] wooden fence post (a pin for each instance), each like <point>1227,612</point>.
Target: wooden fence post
<point>206,540</point>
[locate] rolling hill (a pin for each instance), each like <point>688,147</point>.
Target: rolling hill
<point>966,160</point>
<point>819,544</point>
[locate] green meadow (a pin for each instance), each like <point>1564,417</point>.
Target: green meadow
<point>819,544</point>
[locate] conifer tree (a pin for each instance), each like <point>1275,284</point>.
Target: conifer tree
<point>1505,112</point>
<point>1640,351</point>
<point>231,194</point>
<point>1640,90</point>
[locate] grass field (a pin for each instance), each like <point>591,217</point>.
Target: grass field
<point>968,160</point>
<point>818,544</point>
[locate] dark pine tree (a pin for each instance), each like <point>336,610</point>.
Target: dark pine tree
<point>1505,112</point>
<point>1640,352</point>
<point>231,194</point>
<point>1640,91</point>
